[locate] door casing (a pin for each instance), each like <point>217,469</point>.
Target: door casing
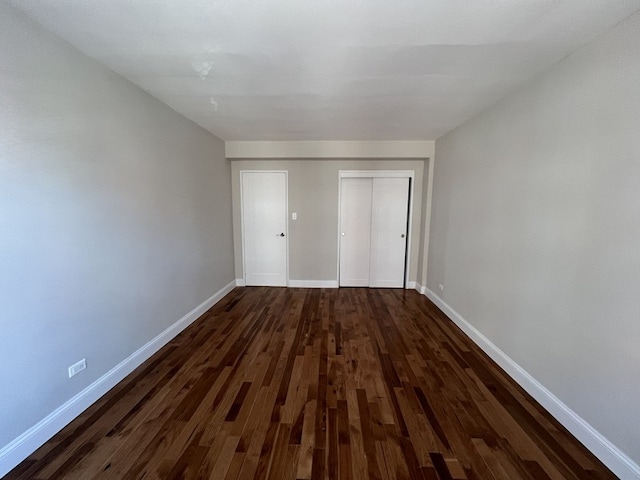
<point>379,174</point>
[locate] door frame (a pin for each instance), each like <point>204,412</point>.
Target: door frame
<point>410,174</point>
<point>286,208</point>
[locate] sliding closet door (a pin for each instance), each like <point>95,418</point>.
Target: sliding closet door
<point>390,205</point>
<point>373,231</point>
<point>355,231</point>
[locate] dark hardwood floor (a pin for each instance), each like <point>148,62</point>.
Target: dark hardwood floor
<point>315,384</point>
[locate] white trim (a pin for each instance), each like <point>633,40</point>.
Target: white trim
<point>339,227</point>
<point>28,442</point>
<point>599,445</point>
<point>387,149</point>
<point>411,285</point>
<point>430,164</point>
<point>286,223</point>
<point>377,173</point>
<point>313,283</point>
<point>239,282</point>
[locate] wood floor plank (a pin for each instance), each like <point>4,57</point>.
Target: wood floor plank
<point>287,383</point>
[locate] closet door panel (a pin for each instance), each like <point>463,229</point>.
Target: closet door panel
<point>390,204</point>
<point>355,231</point>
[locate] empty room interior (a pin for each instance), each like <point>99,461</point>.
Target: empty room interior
<point>334,239</point>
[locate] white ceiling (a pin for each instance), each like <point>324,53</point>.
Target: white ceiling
<point>328,69</point>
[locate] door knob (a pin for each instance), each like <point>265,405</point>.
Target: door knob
<point>280,235</point>
<point>402,236</point>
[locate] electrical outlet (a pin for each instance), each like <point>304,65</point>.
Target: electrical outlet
<point>441,287</point>
<point>77,367</point>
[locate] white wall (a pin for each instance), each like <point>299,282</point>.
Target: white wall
<point>535,231</point>
<point>115,220</point>
<point>313,195</point>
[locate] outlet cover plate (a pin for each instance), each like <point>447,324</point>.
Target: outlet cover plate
<point>77,367</point>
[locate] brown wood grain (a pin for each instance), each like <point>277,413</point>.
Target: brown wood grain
<point>316,384</point>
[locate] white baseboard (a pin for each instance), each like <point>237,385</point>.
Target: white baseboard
<point>599,445</point>
<point>302,283</point>
<point>411,285</point>
<point>420,288</point>
<point>313,283</point>
<point>28,442</point>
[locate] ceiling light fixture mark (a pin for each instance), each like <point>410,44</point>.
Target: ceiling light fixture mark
<point>202,68</point>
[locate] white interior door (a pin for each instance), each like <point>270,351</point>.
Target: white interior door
<point>355,231</point>
<point>264,222</point>
<point>390,205</point>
